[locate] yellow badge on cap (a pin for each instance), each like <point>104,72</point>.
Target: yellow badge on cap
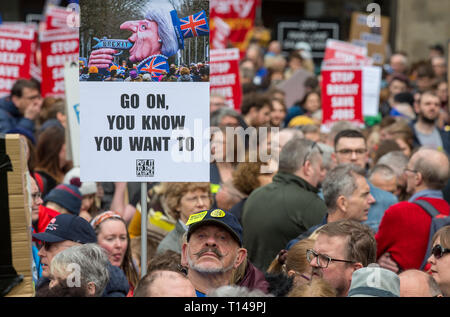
<point>217,213</point>
<point>196,217</point>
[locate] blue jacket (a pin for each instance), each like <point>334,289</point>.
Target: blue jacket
<point>383,200</point>
<point>118,285</point>
<point>11,118</point>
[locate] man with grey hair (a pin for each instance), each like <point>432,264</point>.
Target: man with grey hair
<point>278,212</point>
<point>402,237</point>
<point>83,266</point>
<point>383,177</point>
<point>225,117</point>
<point>397,161</point>
<point>347,196</point>
<point>416,283</point>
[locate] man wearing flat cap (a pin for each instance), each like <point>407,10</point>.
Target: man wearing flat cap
<point>213,249</point>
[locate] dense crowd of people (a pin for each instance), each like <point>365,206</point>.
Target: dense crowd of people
<point>321,217</point>
<point>195,72</point>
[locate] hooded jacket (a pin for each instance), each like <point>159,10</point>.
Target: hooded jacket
<point>10,117</point>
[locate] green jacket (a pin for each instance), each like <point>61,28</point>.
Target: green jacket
<point>277,213</point>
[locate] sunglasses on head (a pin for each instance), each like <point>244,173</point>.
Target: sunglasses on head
<point>439,251</point>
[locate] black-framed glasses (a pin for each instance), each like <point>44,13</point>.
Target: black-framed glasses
<point>410,170</point>
<point>322,259</point>
<point>348,152</point>
<point>439,251</point>
<point>310,151</point>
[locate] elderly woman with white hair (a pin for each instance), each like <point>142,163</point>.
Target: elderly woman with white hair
<point>80,271</point>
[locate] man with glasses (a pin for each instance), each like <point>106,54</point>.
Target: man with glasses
<point>350,147</point>
<point>278,212</point>
<point>341,247</point>
<point>402,238</point>
<point>21,108</point>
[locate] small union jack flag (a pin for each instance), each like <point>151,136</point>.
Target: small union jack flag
<point>155,66</point>
<point>194,25</point>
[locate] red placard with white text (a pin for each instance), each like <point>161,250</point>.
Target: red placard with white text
<point>230,21</point>
<point>56,17</point>
<point>16,48</point>
<point>57,47</point>
<point>224,76</point>
<point>344,51</point>
<point>342,95</point>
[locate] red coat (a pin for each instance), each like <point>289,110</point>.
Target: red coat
<point>404,232</point>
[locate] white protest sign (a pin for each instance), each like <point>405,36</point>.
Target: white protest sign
<point>71,85</point>
<point>144,131</point>
<point>371,83</point>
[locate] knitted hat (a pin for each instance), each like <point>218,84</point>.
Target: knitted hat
<point>67,196</point>
<point>113,67</point>
<point>300,120</point>
<point>72,177</point>
<point>93,69</point>
<point>374,281</point>
<point>133,74</point>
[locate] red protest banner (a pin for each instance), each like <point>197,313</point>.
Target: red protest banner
<point>57,47</point>
<point>56,17</point>
<point>344,51</point>
<point>342,96</point>
<point>224,76</point>
<point>16,48</point>
<point>230,21</point>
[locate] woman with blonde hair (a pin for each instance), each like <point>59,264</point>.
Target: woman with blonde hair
<point>182,200</point>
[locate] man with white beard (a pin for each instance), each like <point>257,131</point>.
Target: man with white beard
<point>212,250</point>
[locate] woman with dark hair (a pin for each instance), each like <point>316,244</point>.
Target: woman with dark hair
<point>112,235</point>
<point>309,106</point>
<point>51,162</point>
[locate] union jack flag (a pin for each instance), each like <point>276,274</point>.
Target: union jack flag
<point>194,25</point>
<point>156,66</point>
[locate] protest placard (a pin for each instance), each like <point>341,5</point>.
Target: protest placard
<point>72,91</point>
<point>375,38</point>
<point>147,121</point>
<point>58,46</point>
<point>231,21</point>
<point>349,92</point>
<point>344,51</point>
<point>224,76</point>
<point>16,49</point>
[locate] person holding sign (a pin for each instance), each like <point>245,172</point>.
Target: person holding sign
<point>155,38</point>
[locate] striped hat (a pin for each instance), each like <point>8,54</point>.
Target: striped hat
<point>67,196</point>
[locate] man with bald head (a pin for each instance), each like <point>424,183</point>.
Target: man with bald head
<point>399,63</point>
<point>415,283</point>
<point>402,237</point>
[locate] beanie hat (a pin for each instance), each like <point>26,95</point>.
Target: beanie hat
<point>93,69</point>
<point>67,196</point>
<point>72,177</point>
<point>113,67</point>
<point>374,281</point>
<point>133,74</point>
